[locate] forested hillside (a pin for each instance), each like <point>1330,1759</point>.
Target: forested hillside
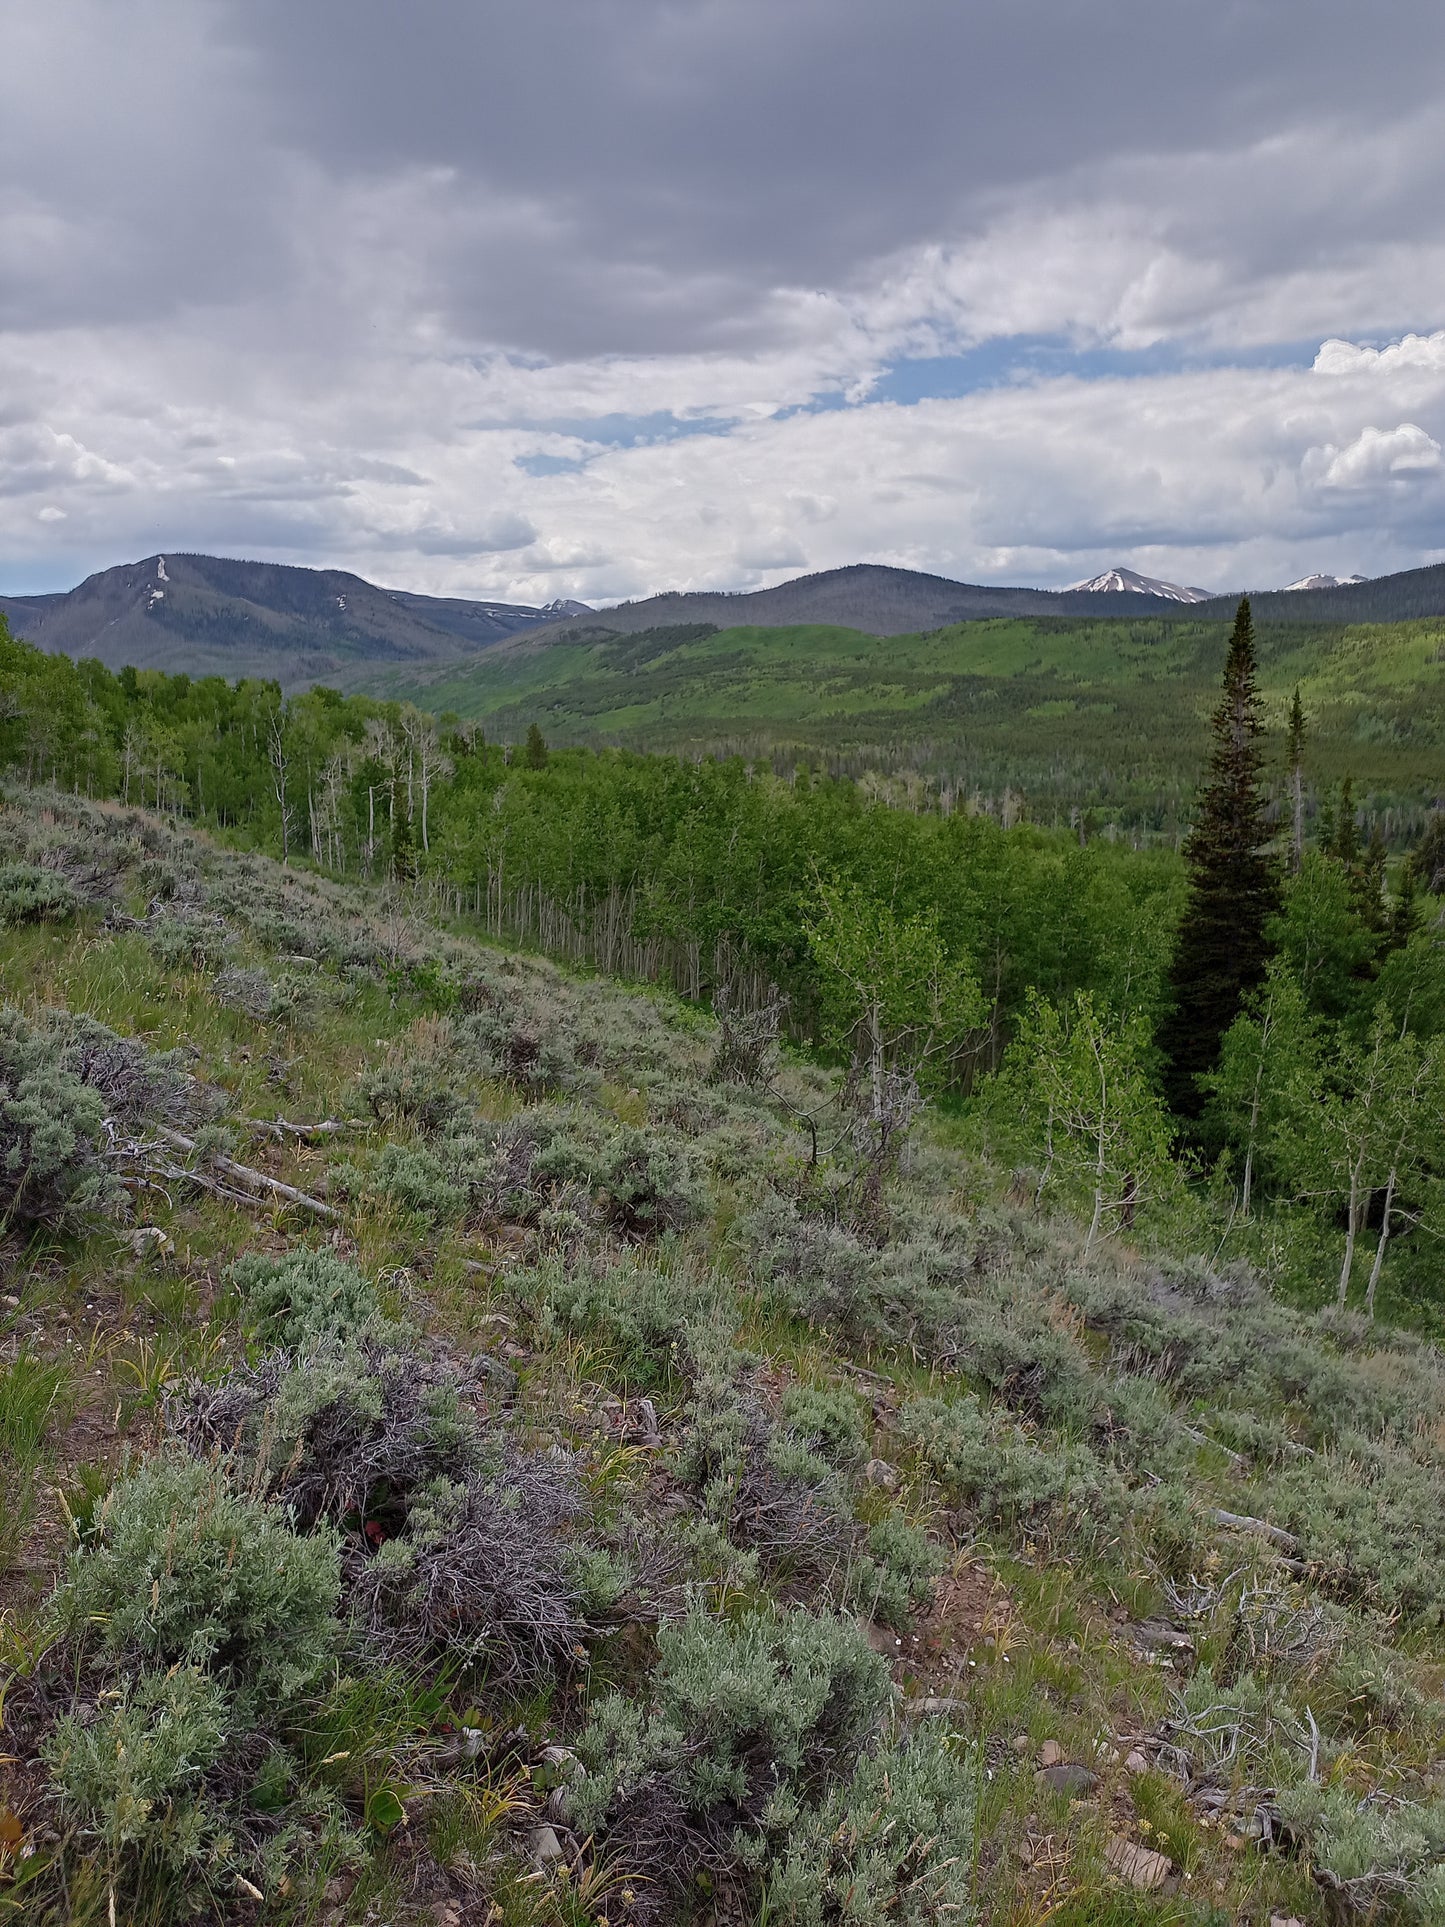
<point>485,1445</point>
<point>1070,715</point>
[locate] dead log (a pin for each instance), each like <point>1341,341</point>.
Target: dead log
<point>254,1181</point>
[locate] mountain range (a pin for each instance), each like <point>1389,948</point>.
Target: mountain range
<point>209,615</point>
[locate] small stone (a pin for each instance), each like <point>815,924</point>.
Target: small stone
<point>1285,1920</point>
<point>1158,1636</point>
<point>10,1301</point>
<point>544,1847</point>
<point>880,1473</point>
<point>1020,1744</point>
<point>1072,1780</point>
<point>1051,1753</point>
<point>882,1639</point>
<point>148,1240</point>
<point>1137,1762</point>
<point>1140,1866</point>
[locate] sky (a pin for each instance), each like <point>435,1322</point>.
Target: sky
<point>595,298</point>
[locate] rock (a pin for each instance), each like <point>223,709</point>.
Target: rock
<point>1285,1920</point>
<point>493,1372</point>
<point>1051,1753</point>
<point>882,1638</point>
<point>1020,1744</point>
<point>1137,1762</point>
<point>557,1755</point>
<point>880,1473</point>
<point>1158,1636</point>
<point>1073,1780</point>
<point>544,1848</point>
<point>10,1301</point>
<point>1140,1866</point>
<point>148,1240</point>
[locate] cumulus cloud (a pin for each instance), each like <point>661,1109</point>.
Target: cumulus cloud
<point>595,299</point>
<point>1423,353</point>
<point>1376,455</point>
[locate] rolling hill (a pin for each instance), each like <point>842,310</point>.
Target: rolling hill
<point>1110,712</point>
<point>211,615</point>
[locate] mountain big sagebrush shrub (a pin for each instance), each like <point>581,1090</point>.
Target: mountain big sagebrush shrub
<point>759,1755</point>
<point>302,1298</point>
<point>31,894</point>
<point>182,1569</point>
<point>51,1170</point>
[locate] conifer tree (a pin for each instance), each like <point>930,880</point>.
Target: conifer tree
<point>1233,885</point>
<point>1296,780</point>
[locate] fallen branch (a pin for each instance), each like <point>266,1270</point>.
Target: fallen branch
<point>1203,1438</point>
<point>1240,1522</point>
<point>243,1174</point>
<point>281,1128</point>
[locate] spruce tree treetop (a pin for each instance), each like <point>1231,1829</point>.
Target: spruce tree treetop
<point>1233,883</point>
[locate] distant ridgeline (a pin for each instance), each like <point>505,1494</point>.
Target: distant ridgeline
<point>209,615</point>
<point>683,867</point>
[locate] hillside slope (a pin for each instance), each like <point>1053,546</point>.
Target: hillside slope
<point>569,1501</point>
<point>1106,713</point>
<point>209,615</point>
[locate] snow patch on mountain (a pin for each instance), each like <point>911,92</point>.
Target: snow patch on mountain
<point>1129,582</point>
<point>1325,582</point>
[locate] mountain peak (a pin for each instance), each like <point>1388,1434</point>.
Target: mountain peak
<point>1325,582</point>
<point>1129,582</point>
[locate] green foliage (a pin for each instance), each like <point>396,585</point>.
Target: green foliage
<point>1233,885</point>
<point>894,1842</point>
<point>181,1569</point>
<point>30,894</point>
<point>302,1298</point>
<point>1374,1853</point>
<point>1004,1477</point>
<point>894,1576</point>
<point>1265,1052</point>
<point>1369,1520</point>
<point>32,1393</point>
<point>134,1775</point>
<point>51,1169</point>
<point>829,1419</point>
<point>891,994</point>
<point>651,1324</point>
<point>1075,1084</point>
<point>1321,936</point>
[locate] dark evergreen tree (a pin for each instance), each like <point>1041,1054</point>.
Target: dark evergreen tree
<point>1233,885</point>
<point>1296,781</point>
<point>534,755</point>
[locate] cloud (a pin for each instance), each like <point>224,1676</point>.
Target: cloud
<point>594,298</point>
<point>1424,353</point>
<point>1376,455</point>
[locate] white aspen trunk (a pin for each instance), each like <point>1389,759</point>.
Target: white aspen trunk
<point>1351,1232</point>
<point>1379,1265</point>
<point>1249,1154</point>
